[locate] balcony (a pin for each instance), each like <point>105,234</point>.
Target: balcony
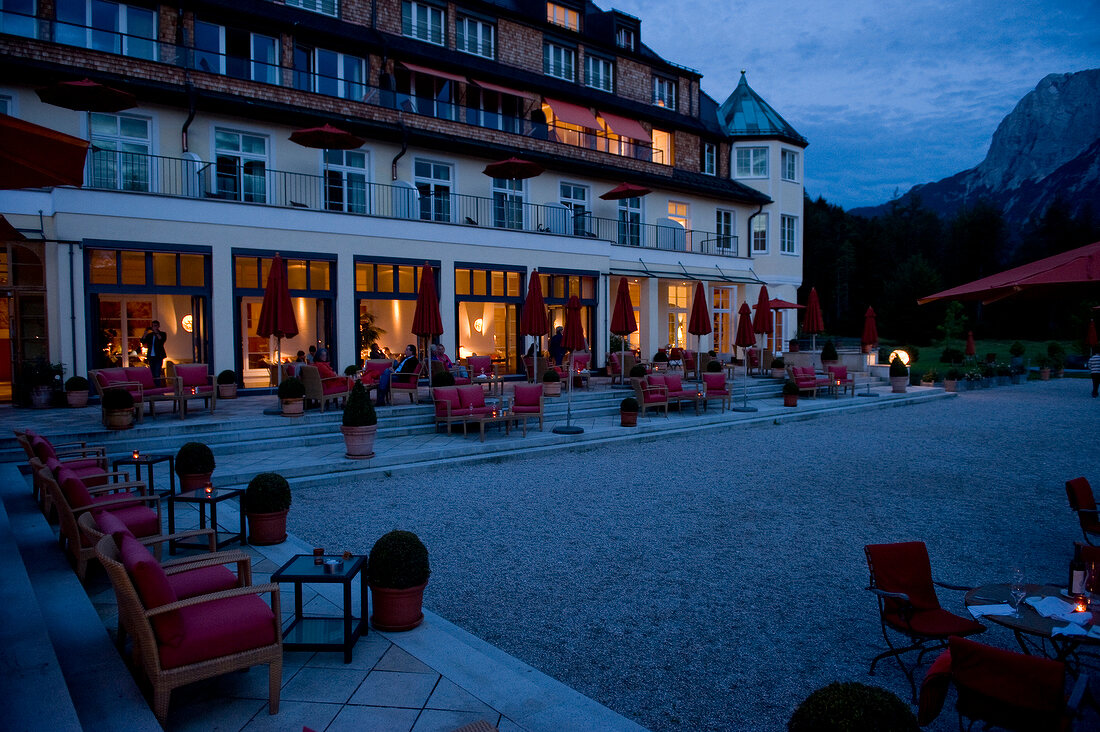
<point>345,191</point>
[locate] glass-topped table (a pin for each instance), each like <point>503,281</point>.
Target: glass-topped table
<point>317,633</point>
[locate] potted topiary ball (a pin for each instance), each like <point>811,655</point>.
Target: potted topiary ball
<point>951,380</point>
<point>714,366</point>
<point>551,383</point>
<point>443,378</point>
<point>628,412</point>
<point>398,570</point>
<point>779,366</point>
<point>227,384</point>
<point>790,393</point>
<point>829,356</point>
<point>194,465</point>
<point>291,397</point>
<point>899,376</point>
<point>637,372</point>
<point>76,391</point>
<point>265,502</point>
<point>852,707</point>
<point>118,409</point>
<point>360,424</point>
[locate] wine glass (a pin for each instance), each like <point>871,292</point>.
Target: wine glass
<point>1018,590</point>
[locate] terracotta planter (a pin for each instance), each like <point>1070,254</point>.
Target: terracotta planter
<point>359,441</point>
<point>950,385</point>
<point>793,346</point>
<point>194,481</point>
<point>118,419</point>
<point>77,399</point>
<point>779,373</point>
<point>898,384</point>
<point>293,407</point>
<point>826,364</point>
<point>866,348</point>
<point>927,383</point>
<point>265,529</point>
<point>551,388</point>
<point>790,400</point>
<point>1044,374</point>
<point>396,610</point>
<point>227,391</point>
<point>628,419</point>
<point>41,397</point>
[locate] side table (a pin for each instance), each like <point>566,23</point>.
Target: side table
<point>204,499</point>
<point>324,633</point>
<point>149,460</point>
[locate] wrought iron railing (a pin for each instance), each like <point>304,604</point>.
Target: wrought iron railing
<point>345,190</point>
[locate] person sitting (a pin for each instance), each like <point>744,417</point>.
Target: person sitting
<point>312,354</point>
<point>408,365</point>
<point>439,353</point>
<point>375,353</point>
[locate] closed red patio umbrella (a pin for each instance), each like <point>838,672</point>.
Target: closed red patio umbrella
<point>745,338</point>
<point>870,329</point>
<point>534,320</point>
<point>427,323</point>
<point>277,312</point>
<point>813,323</point>
<point>699,321</point>
<point>971,349</point>
<point>572,341</point>
<point>762,323</point>
<point>86,96</point>
<point>625,190</point>
<point>32,156</point>
<point>623,322</point>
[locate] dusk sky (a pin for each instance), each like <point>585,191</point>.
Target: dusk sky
<point>890,93</point>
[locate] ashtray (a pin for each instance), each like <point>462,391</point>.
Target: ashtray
<point>334,566</point>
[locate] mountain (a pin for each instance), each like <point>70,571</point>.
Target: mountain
<point>1047,148</point>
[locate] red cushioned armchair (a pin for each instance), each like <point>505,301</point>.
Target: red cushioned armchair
<point>196,381</point>
<point>717,388</point>
<point>1005,689</point>
<point>839,377</point>
<point>901,580</point>
<point>323,385</point>
<point>805,378</point>
<point>528,404</point>
<point>652,393</point>
<point>1081,500</point>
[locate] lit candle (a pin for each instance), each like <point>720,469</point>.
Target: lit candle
<point>209,489</point>
<point>1080,606</point>
<point>136,454</point>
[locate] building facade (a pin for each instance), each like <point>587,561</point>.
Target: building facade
<point>189,193</point>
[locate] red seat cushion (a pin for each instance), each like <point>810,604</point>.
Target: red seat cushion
<point>324,370</point>
<point>1006,688</point>
<point>153,588</point>
<point>334,386</point>
<point>528,395</point>
<point>840,373</point>
<point>139,518</point>
<point>192,374</point>
<point>716,384</point>
<point>581,361</point>
<point>444,395</point>
<point>111,524</point>
<point>220,628</point>
<point>656,380</point>
<point>142,375</point>
<point>113,376</point>
<point>674,383</point>
<point>938,623</point>
<point>903,567</point>
<point>1078,490</point>
<point>480,365</point>
<point>73,488</point>
<point>933,690</point>
<point>471,396</point>
<point>202,581</point>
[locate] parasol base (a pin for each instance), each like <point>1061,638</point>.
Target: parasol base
<point>867,394</point>
<point>744,409</point>
<point>274,410</point>
<point>568,429</point>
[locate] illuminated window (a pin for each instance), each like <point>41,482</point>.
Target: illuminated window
<point>788,226</point>
<point>760,234</point>
<point>662,147</point>
<point>664,92</point>
<point>559,61</point>
<point>563,16</point>
<point>710,158</point>
<point>423,22</point>
<point>752,162</point>
<point>678,212</point>
<point>599,73</point>
<point>476,37</point>
<point>789,164</point>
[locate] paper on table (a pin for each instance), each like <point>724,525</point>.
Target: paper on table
<point>1070,629</point>
<point>979,610</point>
<point>1050,607</point>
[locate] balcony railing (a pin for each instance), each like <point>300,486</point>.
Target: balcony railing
<point>346,190</point>
<point>352,86</point>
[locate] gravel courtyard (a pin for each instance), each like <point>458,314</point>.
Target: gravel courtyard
<point>711,581</point>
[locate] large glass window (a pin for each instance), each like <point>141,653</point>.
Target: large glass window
<point>662,147</point>
<point>423,22</point>
<point>495,110</point>
<point>386,292</point>
<point>121,152</point>
<point>664,92</point>
<point>237,53</point>
<point>346,178</point>
<point>630,221</point>
<point>760,234</point>
<point>324,7</point>
<point>106,26</point>
<point>559,61</point>
<point>487,301</point>
<point>599,73</point>
<point>789,164</point>
<point>426,94</point>
<point>17,18</point>
<point>475,36</point>
<point>434,182</point>
<point>677,304</point>
<point>788,234</point>
<point>724,222</point>
<point>563,16</point>
<point>507,203</point>
<point>575,198</point>
<point>752,162</point>
<point>722,299</point>
<point>328,72</point>
<point>679,212</point>
<point>241,166</point>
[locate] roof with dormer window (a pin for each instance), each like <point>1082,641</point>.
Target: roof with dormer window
<point>745,113</point>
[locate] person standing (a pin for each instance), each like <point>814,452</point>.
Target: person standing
<point>1094,369</point>
<point>557,350</point>
<point>153,340</point>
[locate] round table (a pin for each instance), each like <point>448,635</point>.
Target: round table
<point>1031,623</point>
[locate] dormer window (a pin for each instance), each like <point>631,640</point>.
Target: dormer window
<point>624,38</point>
<point>563,16</point>
<point>664,92</point>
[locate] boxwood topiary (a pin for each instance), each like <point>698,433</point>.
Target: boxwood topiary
<point>630,404</point>
<point>292,388</point>
<point>714,365</point>
<point>194,458</point>
<point>1016,349</point>
<point>637,371</point>
<point>444,378</point>
<point>351,370</point>
<point>117,400</point>
<point>398,560</point>
<point>550,377</point>
<point>227,377</point>
<point>951,355</point>
<point>852,707</point>
<point>897,368</point>
<point>359,412</point>
<point>76,383</point>
<point>267,493</point>
<point>660,356</point>
<point>828,352</point>
<point>790,388</point>
<point>778,362</point>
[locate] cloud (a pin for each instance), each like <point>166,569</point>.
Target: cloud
<point>887,92</point>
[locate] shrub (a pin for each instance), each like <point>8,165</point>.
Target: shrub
<point>227,377</point>
<point>398,560</point>
<point>790,388</point>
<point>990,357</point>
<point>852,707</point>
<point>1043,362</point>
<point>914,353</point>
<point>359,412</point>
<point>828,352</point>
<point>897,368</point>
<point>117,400</point>
<point>714,365</point>
<point>951,355</point>
<point>637,371</point>
<point>194,458</point>
<point>443,378</point>
<point>930,375</point>
<point>987,371</point>
<point>76,383</point>
<point>292,388</point>
<point>550,377</point>
<point>778,362</point>
<point>712,353</point>
<point>267,493</point>
<point>953,375</point>
<point>1055,350</point>
<point>1003,369</point>
<point>351,370</point>
<point>1016,349</point>
<point>660,356</point>
<point>630,404</point>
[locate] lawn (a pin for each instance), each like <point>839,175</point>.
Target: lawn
<point>929,356</point>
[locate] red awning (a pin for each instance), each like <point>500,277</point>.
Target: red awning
<point>626,127</point>
<point>504,90</point>
<point>573,114</point>
<point>433,72</point>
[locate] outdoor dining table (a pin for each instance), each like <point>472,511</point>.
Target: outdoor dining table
<point>1032,630</point>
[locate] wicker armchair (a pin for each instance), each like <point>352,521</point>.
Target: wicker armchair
<point>323,389</point>
<point>178,642</point>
